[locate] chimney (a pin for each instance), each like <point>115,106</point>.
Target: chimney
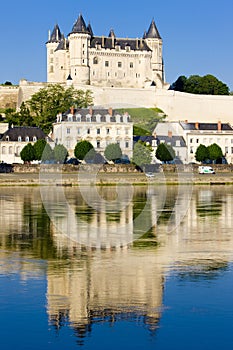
<point>140,43</point>
<point>137,44</point>
<point>196,125</point>
<point>102,41</point>
<point>219,125</point>
<point>113,41</point>
<point>72,110</point>
<point>110,111</point>
<point>170,133</point>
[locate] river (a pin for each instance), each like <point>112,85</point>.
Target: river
<point>133,267</point>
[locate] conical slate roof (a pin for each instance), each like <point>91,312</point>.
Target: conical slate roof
<point>152,32</point>
<point>56,35</point>
<point>80,26</point>
<point>90,29</point>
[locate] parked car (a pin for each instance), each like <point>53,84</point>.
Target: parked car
<point>206,170</point>
<point>73,161</point>
<point>150,174</point>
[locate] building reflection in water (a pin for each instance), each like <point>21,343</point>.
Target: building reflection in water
<point>123,281</point>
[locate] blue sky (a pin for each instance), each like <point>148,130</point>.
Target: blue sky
<point>197,35</point>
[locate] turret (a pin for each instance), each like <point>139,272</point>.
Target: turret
<point>155,43</point>
<point>79,43</point>
<point>53,41</point>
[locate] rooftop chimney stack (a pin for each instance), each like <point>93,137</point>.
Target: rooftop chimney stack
<point>219,125</point>
<point>196,125</point>
<point>110,111</point>
<point>170,134</point>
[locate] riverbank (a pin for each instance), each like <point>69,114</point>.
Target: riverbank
<point>88,178</point>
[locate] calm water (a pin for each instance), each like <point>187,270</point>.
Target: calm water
<point>82,270</point>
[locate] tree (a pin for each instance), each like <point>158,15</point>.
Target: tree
<point>60,153</point>
<point>202,153</point>
<point>21,118</point>
<point>39,146</point>
<point>179,84</point>
<point>165,152</point>
<point>142,153</point>
<point>206,85</point>
<point>215,152</point>
<point>54,99</point>
<point>113,151</point>
<point>27,154</point>
<point>47,154</point>
<point>82,148</point>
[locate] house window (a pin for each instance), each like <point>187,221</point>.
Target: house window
<point>68,130</point>
<point>10,150</point>
<point>70,118</point>
<point>19,138</point>
<point>191,140</point>
<point>88,131</point>
<point>78,118</point>
<point>3,150</point>
<point>34,138</point>
<point>226,149</point>
<point>7,138</point>
<point>27,138</point>
<point>197,140</point>
<point>131,65</point>
<point>126,131</point>
<point>78,131</point>
<point>106,64</point>
<point>126,144</point>
<point>95,60</point>
<point>98,144</point>
<point>191,149</point>
<point>98,131</point>
<point>107,131</point>
<point>119,64</point>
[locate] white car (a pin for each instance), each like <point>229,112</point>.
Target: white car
<point>150,174</point>
<point>206,170</point>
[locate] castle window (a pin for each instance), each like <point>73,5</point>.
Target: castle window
<point>98,131</point>
<point>83,45</point>
<point>98,144</point>
<point>19,138</point>
<point>7,138</point>
<point>78,131</point>
<point>51,52</point>
<point>131,65</point>
<point>95,60</point>
<point>61,67</point>
<point>51,69</point>
<point>106,64</point>
<point>88,131</point>
<point>78,118</point>
<point>10,150</point>
<point>68,130</point>
<point>119,64</point>
<point>27,138</point>
<point>34,138</point>
<point>51,60</point>
<point>17,151</point>
<point>3,150</point>
<point>83,61</point>
<point>126,144</point>
<point>107,131</point>
<point>127,48</point>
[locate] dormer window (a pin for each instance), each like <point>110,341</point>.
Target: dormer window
<point>95,60</point>
<point>7,138</point>
<point>34,138</point>
<point>78,118</point>
<point>27,138</point>
<point>70,118</point>
<point>19,139</point>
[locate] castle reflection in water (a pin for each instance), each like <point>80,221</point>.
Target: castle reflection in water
<point>114,276</point>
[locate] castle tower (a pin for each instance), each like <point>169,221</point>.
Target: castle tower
<point>79,43</point>
<point>53,40</point>
<point>154,41</point>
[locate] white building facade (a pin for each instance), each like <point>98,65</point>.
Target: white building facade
<point>198,133</point>
<point>100,127</point>
<point>83,58</point>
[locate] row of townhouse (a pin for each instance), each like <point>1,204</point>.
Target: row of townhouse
<point>101,127</point>
<point>193,135</point>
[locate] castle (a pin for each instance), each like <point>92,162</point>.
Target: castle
<point>104,61</point>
